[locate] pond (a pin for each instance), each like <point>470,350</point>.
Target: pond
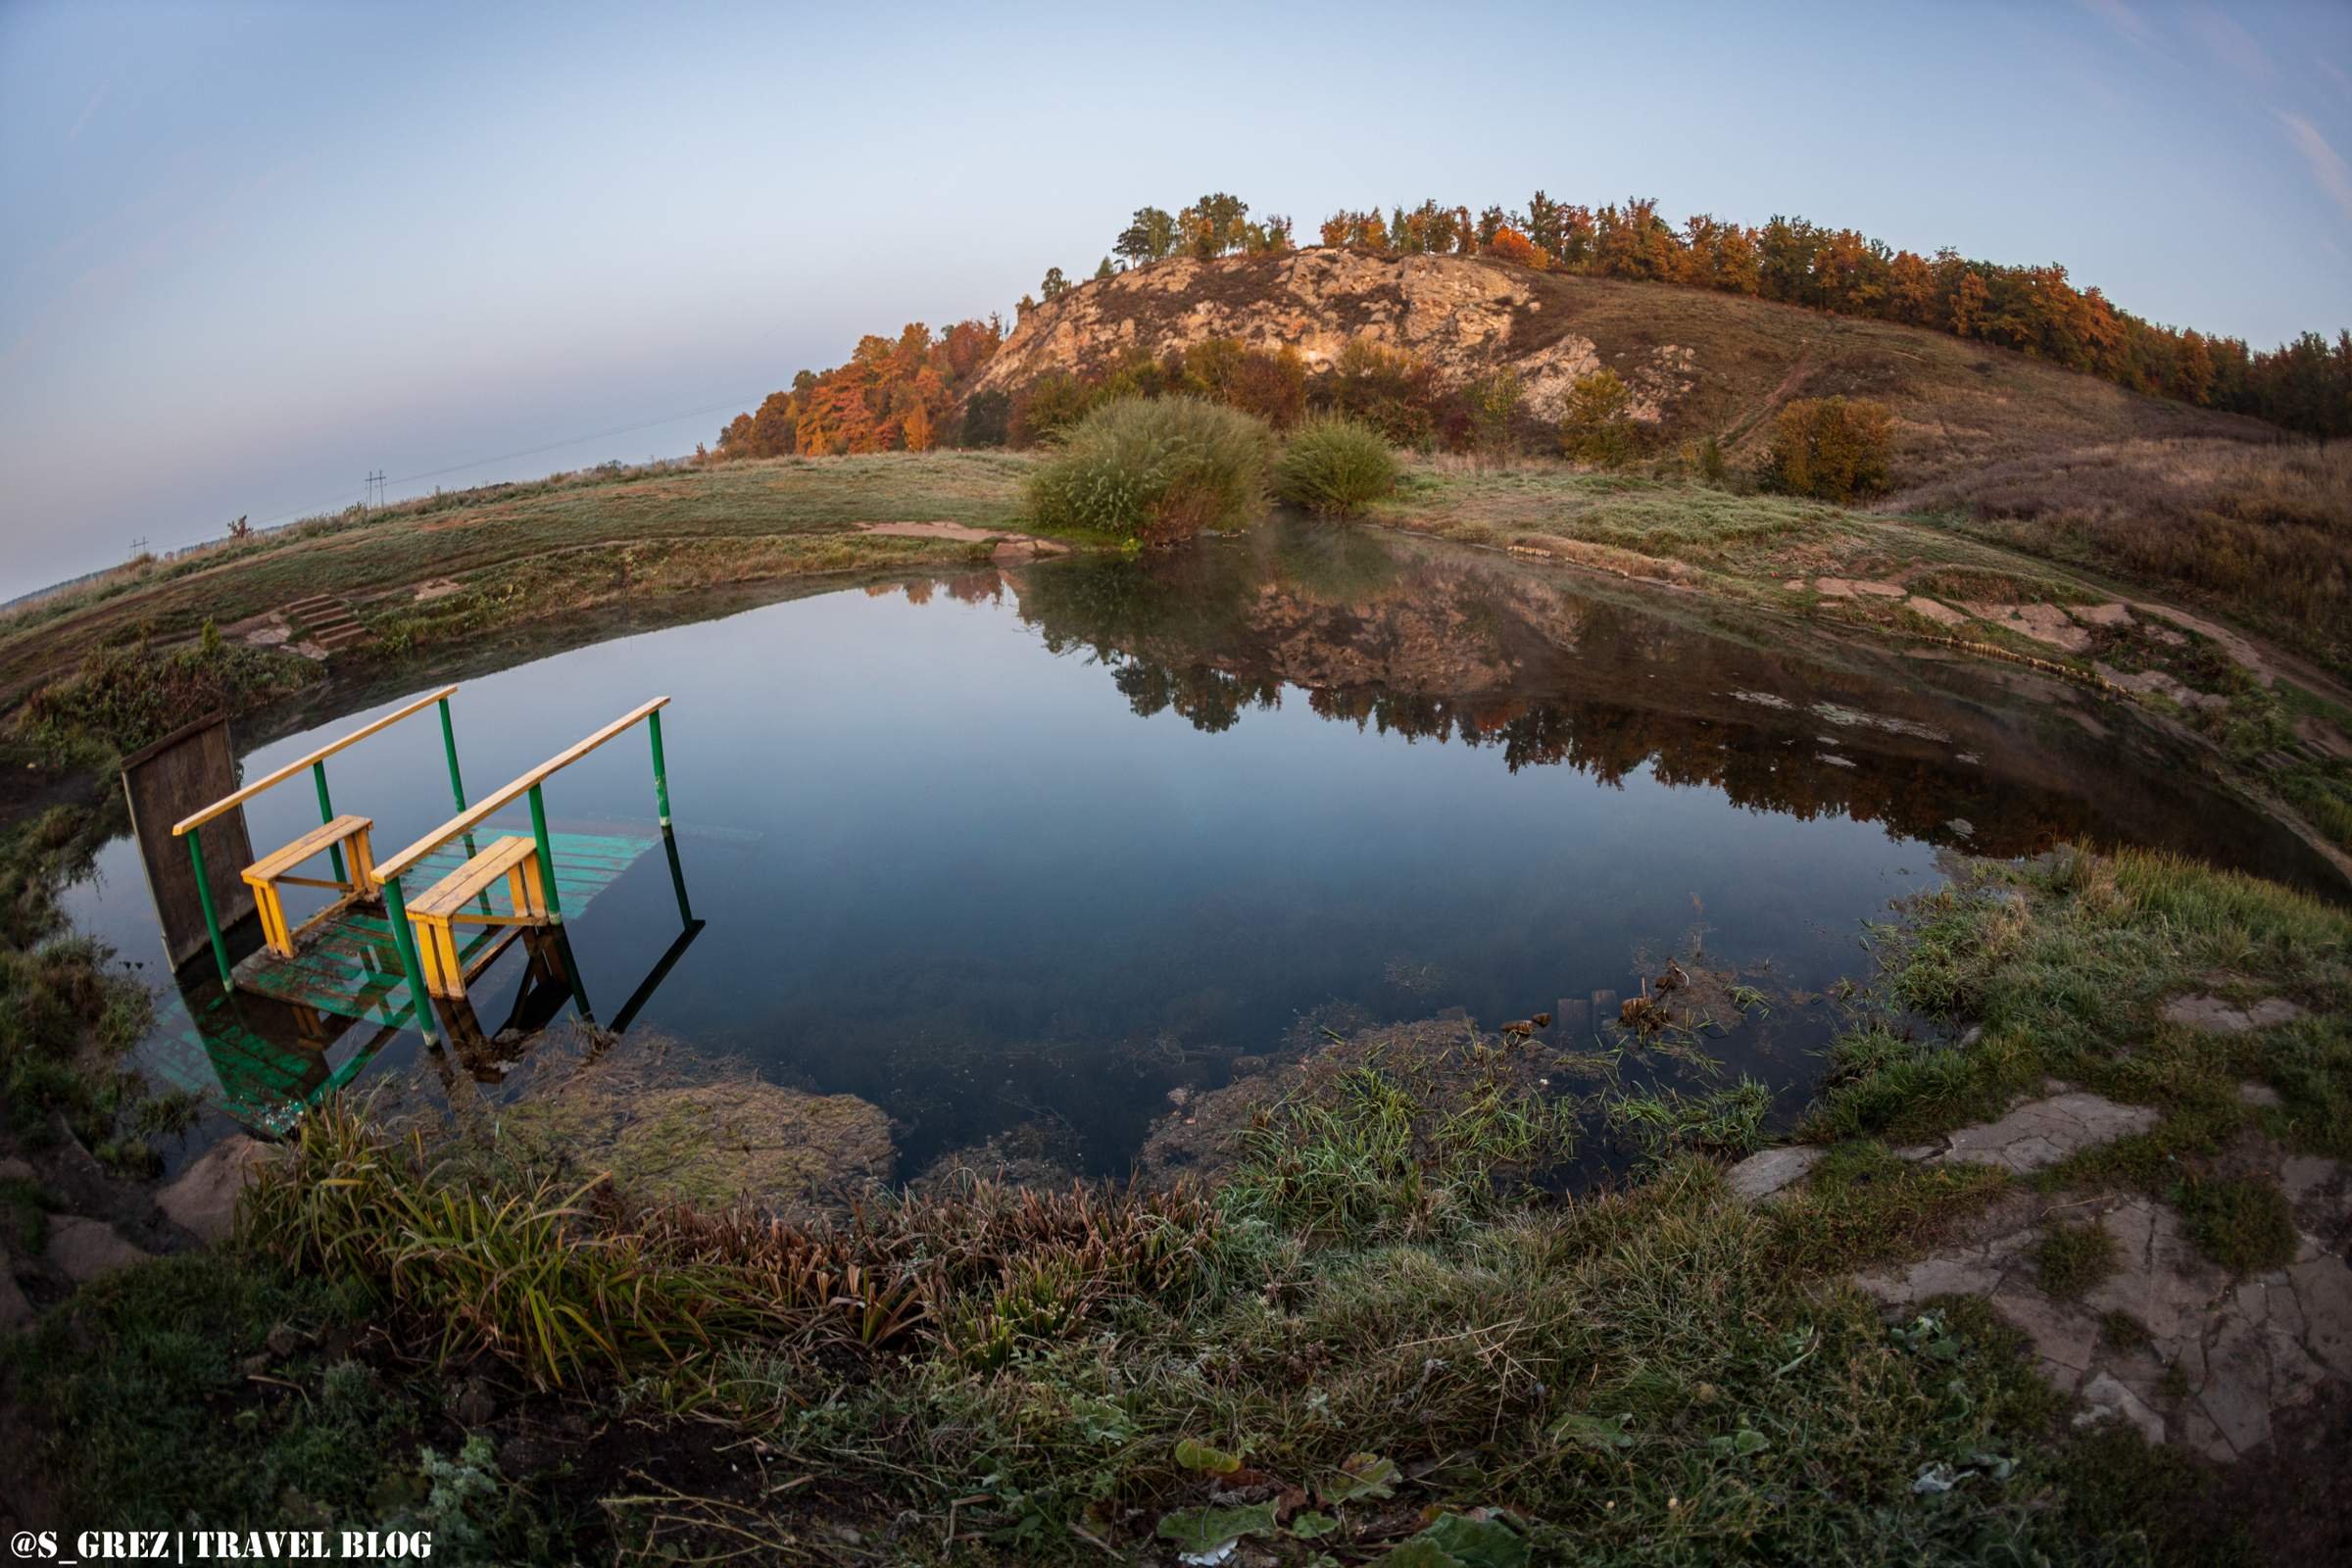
<point>1038,846</point>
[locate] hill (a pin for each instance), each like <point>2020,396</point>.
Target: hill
<point>2054,461</point>
<point>1700,362</point>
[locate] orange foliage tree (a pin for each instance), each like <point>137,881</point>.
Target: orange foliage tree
<point>2035,310</point>
<point>892,394</point>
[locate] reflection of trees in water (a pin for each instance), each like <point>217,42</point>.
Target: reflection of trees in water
<point>1214,633</point>
<point>1210,698</point>
<point>1431,642</point>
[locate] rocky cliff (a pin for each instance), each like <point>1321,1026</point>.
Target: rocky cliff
<point>1699,362</point>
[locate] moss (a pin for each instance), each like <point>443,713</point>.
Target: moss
<point>712,1144</point>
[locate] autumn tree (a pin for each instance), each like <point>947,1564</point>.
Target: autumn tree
<point>1213,225</point>
<point>1832,449</point>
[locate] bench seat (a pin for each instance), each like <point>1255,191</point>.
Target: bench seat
<point>452,900</point>
<point>267,874</point>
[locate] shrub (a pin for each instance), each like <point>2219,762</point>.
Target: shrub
<point>1334,465</point>
<point>1386,389</point>
<point>1155,472</point>
<point>1598,423</point>
<point>1832,449</point>
<point>1491,403</point>
<point>1048,406</point>
<point>1271,385</point>
<point>987,419</point>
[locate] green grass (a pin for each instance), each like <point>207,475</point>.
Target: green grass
<point>561,541</point>
<point>2074,1257</point>
<point>2064,964</point>
<point>2241,1223</point>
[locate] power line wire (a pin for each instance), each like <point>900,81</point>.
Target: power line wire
<point>509,456</point>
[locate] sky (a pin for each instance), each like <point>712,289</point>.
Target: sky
<point>250,253</point>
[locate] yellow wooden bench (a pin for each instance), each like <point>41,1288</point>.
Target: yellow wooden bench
<point>450,901</point>
<point>267,874</point>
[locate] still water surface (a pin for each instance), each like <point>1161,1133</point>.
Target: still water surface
<point>1046,843</point>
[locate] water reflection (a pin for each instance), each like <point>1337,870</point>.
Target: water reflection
<point>1430,642</point>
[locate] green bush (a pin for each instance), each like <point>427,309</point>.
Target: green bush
<point>1334,466</point>
<point>1153,472</point>
<point>1832,449</point>
<point>1597,425</point>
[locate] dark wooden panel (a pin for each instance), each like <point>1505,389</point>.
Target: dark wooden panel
<point>179,775</point>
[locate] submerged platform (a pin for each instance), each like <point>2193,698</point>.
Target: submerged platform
<point>349,966</point>
<point>268,1049</point>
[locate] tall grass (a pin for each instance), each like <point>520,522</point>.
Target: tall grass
<point>1152,471</point>
<point>1335,466</point>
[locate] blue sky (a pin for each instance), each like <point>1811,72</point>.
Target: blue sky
<point>250,252</point>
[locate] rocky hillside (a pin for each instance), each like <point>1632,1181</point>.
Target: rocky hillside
<point>1700,362</point>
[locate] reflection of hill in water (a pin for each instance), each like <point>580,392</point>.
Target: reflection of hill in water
<point>1435,641</point>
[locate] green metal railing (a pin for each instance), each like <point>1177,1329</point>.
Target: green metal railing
<point>468,817</point>
<point>189,827</point>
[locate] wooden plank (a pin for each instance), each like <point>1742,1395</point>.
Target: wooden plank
<point>461,884</point>
<point>300,764</point>
<point>507,794</point>
<point>160,782</point>
<point>315,842</point>
<point>1574,1022</point>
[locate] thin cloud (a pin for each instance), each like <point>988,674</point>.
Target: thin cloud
<point>2326,166</point>
<point>2232,42</point>
<point>87,109</point>
<point>2126,21</point>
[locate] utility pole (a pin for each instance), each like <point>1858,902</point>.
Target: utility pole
<point>376,488</point>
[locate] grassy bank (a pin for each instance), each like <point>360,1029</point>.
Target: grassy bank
<point>515,552</point>
<point>1377,1337</point>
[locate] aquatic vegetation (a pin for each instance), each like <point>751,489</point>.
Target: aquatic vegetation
<point>1153,470</point>
<point>1334,465</point>
<point>1661,1122</point>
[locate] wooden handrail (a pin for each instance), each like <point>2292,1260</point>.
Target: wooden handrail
<point>228,803</point>
<point>507,794</point>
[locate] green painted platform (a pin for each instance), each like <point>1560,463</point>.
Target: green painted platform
<point>267,1049</point>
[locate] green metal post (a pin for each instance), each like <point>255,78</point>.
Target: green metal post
<point>546,858</point>
<point>677,876</point>
<point>456,786</point>
<point>211,921</point>
<point>396,911</point>
<point>449,744</point>
<point>327,813</point>
<point>571,972</point>
<point>652,722</point>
